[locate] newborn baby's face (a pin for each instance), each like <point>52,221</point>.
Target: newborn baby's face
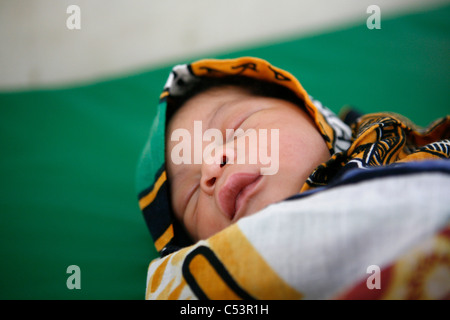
<point>216,183</point>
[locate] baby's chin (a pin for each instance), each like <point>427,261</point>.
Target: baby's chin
<point>205,233</point>
<point>264,198</point>
<point>272,196</point>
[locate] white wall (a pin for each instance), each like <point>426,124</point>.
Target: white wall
<point>119,36</point>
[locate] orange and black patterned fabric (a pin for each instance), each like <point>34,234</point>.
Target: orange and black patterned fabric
<point>381,139</point>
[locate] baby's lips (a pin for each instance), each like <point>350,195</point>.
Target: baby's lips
<point>230,190</point>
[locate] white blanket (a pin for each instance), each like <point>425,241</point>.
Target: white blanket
<point>377,238</point>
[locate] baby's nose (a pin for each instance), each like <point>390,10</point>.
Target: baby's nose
<point>212,169</point>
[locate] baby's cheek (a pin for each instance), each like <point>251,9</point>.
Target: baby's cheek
<point>209,221</point>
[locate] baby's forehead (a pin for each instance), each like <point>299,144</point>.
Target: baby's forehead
<point>205,105</point>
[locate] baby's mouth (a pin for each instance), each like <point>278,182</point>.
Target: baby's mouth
<point>236,191</point>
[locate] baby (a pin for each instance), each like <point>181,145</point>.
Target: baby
<point>234,167</point>
<point>210,196</point>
